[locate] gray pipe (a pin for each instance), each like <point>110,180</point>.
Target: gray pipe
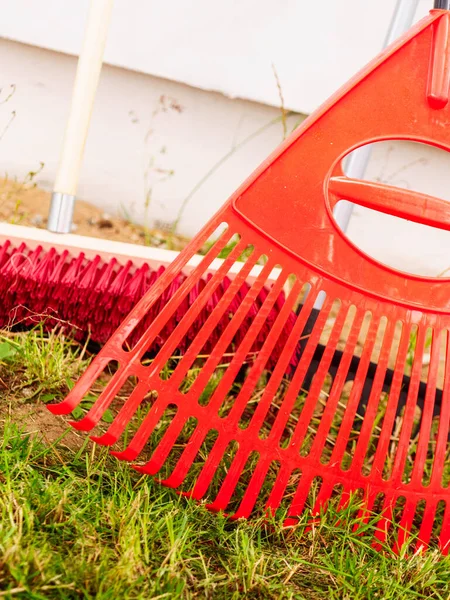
<point>356,164</point>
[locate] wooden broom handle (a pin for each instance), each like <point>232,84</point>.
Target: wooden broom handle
<point>83,96</point>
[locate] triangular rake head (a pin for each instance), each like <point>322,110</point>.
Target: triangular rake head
<point>265,404</point>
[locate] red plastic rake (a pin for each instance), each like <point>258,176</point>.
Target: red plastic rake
<point>327,438</point>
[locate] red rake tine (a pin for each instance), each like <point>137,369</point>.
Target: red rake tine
<point>411,402</point>
<point>209,469</point>
<point>191,450</point>
<point>444,536</point>
<point>229,483</point>
<point>161,452</point>
<point>352,403</point>
<point>426,527</point>
<point>83,385</point>
<point>405,525</point>
<point>297,380</point>
<point>300,497</point>
<point>427,413</point>
<point>384,524</point>
<point>374,399</point>
<point>278,489</point>
<point>391,408</point>
<point>444,423</point>
<point>365,513</point>
<point>253,489</point>
<point>103,402</point>
<point>139,440</point>
<point>189,454</point>
<point>336,392</point>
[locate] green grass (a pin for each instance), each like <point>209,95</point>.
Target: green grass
<point>76,523</point>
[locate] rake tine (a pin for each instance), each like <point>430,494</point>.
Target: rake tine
<point>253,489</point>
<point>336,391</point>
<point>323,496</point>
<point>407,425</point>
<point>209,469</point>
<point>300,497</point>
<point>390,412</point>
<point>278,489</point>
<point>404,527</point>
<point>185,461</point>
<point>140,438</point>
<point>231,479</point>
<point>76,395</point>
<point>384,524</point>
<point>444,422</point>
<point>427,412</point>
<point>196,308</point>
<point>444,536</point>
<point>123,417</point>
<point>345,498</point>
<point>364,513</point>
<point>164,447</point>
<point>426,527</point>
<point>229,332</point>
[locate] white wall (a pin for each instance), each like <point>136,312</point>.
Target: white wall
<point>123,161</point>
<point>223,45</point>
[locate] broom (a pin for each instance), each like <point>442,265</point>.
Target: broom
<point>284,212</point>
<point>80,284</point>
<point>87,286</point>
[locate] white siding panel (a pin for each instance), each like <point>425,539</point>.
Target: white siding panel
<point>223,45</point>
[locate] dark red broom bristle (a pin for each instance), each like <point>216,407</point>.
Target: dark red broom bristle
<point>91,297</point>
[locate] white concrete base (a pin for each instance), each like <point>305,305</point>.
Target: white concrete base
<point>155,257</point>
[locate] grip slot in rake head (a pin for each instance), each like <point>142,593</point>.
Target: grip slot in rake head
<point>327,399</point>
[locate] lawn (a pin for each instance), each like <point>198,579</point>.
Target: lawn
<point>76,523</point>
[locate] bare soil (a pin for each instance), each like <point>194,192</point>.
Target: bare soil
<point>36,420</point>
<point>24,203</point>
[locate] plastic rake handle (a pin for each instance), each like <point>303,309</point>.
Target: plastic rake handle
<point>356,164</point>
<point>83,96</point>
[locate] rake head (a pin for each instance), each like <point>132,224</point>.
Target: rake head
<point>333,400</point>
